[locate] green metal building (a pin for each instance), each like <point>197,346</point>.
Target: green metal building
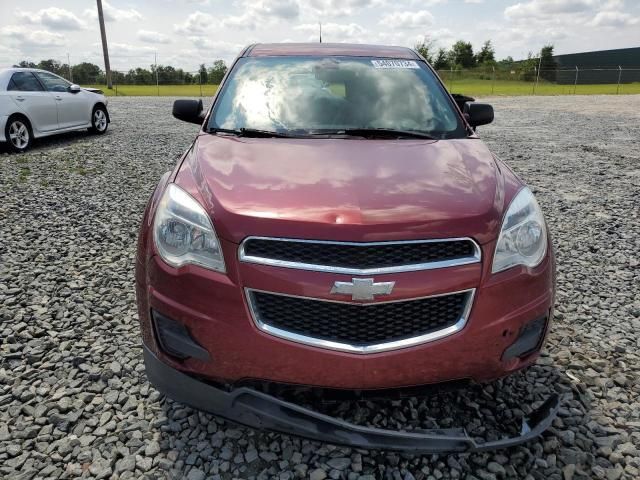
<point>604,66</point>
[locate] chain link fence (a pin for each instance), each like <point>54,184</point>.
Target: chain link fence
<point>145,83</point>
<point>478,82</point>
<point>561,81</point>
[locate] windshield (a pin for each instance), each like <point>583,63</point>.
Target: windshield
<point>301,95</point>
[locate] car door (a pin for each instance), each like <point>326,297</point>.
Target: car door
<point>30,98</point>
<point>73,108</point>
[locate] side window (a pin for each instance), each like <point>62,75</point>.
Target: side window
<point>53,83</point>
<point>24,82</point>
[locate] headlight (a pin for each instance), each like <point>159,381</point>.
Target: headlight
<point>523,237</point>
<point>183,232</point>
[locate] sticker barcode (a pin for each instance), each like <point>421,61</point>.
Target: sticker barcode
<point>394,64</point>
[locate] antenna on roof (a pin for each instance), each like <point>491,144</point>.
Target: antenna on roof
<point>320,31</point>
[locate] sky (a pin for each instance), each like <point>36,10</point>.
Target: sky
<point>186,33</point>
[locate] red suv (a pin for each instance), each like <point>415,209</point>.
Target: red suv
<point>337,223</point>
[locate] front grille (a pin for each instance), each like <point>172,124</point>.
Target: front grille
<point>360,257</point>
<point>359,325</point>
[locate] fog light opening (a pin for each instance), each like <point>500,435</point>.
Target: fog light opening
<point>529,340</point>
<point>174,339</point>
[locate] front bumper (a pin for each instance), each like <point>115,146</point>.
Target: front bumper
<point>213,308</point>
<point>259,410</point>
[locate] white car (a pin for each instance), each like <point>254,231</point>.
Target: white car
<point>35,103</point>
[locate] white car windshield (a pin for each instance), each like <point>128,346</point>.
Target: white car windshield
<point>329,94</point>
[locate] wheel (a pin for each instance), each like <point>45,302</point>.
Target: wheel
<point>18,134</point>
<point>99,120</point>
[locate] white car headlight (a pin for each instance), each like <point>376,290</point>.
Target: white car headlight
<point>183,232</point>
<point>523,237</point>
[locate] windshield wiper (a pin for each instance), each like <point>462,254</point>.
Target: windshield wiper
<point>250,132</point>
<point>375,132</point>
<point>356,132</point>
<point>386,132</point>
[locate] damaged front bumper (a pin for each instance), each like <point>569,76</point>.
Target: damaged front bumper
<point>259,410</point>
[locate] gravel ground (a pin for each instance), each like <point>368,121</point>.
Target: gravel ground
<point>74,401</point>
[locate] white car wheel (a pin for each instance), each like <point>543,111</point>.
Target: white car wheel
<point>99,120</point>
<point>18,135</point>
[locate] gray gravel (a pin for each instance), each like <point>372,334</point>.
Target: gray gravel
<point>74,402</point>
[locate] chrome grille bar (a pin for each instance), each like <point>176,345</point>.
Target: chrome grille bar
<point>417,339</point>
<point>247,257</point>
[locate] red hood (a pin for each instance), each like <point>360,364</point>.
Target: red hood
<point>346,189</point>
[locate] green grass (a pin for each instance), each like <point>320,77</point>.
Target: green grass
<point>477,87</point>
<point>163,90</point>
<point>24,174</point>
<point>472,87</point>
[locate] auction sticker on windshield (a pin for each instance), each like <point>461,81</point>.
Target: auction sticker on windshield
<point>394,64</point>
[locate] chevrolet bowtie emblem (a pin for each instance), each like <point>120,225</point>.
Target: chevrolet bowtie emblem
<point>362,288</point>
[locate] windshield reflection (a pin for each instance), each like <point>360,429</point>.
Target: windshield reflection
<point>297,94</point>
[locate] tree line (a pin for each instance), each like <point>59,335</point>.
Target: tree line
<point>86,73</point>
<point>462,57</point>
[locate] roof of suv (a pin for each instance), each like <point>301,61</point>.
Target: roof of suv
<point>321,49</point>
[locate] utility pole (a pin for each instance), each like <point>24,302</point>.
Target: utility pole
<point>320,32</point>
<point>105,49</point>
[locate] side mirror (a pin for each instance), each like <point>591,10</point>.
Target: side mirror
<point>73,88</point>
<point>189,111</point>
<point>478,113</point>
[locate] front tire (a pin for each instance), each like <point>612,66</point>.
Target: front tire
<point>18,134</point>
<point>99,120</point>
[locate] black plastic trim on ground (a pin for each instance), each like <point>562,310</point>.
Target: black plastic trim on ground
<point>259,410</point>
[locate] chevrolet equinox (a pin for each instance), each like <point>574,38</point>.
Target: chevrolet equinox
<point>338,224</point>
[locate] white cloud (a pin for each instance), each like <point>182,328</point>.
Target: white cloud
<point>613,5</point>
<point>613,19</point>
<point>262,12</point>
<point>426,3</point>
<point>245,21</point>
<point>547,8</point>
<point>26,37</point>
<point>285,9</point>
<point>533,23</point>
<point>114,14</point>
<point>253,14</point>
<point>337,8</point>
<point>198,29</point>
<point>152,37</point>
<point>522,40</point>
<point>443,37</point>
<point>52,17</point>
<point>128,48</point>
<point>334,32</point>
<point>197,23</point>
<point>216,48</point>
<point>125,55</point>
<point>408,20</point>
